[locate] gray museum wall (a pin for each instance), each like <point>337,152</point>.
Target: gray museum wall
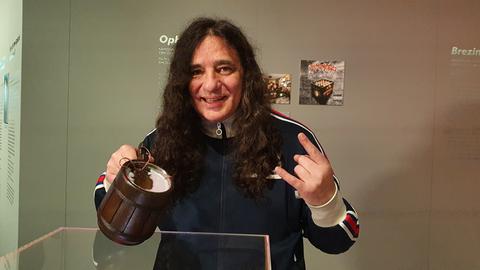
<point>44,118</point>
<point>405,144</point>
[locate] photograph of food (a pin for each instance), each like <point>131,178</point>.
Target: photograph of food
<point>278,87</point>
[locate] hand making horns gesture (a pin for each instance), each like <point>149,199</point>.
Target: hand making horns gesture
<point>314,181</point>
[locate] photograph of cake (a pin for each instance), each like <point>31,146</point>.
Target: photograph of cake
<point>322,82</point>
<point>278,87</point>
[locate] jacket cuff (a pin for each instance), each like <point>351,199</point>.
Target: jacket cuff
<point>106,184</point>
<point>331,213</point>
<point>102,182</point>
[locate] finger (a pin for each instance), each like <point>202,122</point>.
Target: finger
<point>128,151</point>
<point>110,177</point>
<point>290,179</point>
<point>306,162</point>
<point>112,170</point>
<point>311,149</point>
<point>302,173</point>
<point>123,160</point>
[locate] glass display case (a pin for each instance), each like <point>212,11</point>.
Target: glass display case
<point>87,248</point>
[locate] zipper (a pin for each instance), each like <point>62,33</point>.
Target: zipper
<point>223,177</point>
<point>219,130</point>
<point>222,132</point>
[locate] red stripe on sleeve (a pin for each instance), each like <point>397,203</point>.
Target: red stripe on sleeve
<point>280,114</point>
<point>100,179</point>
<point>353,225</point>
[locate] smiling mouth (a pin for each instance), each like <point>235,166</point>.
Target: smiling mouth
<point>213,100</point>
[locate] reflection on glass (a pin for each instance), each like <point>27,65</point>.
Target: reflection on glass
<point>88,248</point>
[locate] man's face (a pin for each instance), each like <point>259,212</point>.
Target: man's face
<point>216,84</point>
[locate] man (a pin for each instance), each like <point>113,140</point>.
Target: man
<point>237,166</point>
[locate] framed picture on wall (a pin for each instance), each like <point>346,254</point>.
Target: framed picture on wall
<point>278,87</point>
<point>322,82</point>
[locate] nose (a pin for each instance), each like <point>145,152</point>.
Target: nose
<point>211,81</point>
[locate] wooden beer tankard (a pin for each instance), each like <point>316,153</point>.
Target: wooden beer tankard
<point>134,202</point>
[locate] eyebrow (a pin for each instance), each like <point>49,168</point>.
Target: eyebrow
<point>224,62</point>
<point>216,63</point>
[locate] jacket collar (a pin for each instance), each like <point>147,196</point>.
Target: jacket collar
<point>215,129</point>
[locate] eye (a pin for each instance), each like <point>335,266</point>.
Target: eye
<point>196,72</point>
<point>226,69</point>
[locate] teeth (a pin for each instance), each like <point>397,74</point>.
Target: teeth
<point>213,99</point>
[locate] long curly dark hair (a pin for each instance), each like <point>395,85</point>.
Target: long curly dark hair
<point>179,147</point>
